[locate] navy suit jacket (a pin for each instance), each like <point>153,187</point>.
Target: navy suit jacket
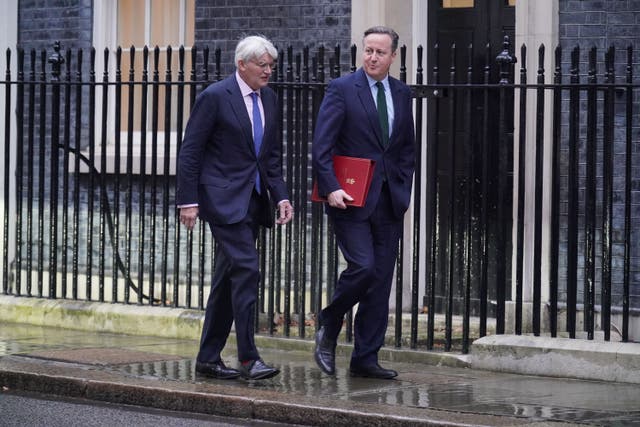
<point>217,162</point>
<point>348,125</point>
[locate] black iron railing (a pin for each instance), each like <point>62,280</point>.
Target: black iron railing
<point>89,170</point>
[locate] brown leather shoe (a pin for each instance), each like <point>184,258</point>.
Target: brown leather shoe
<point>257,370</point>
<point>373,371</point>
<point>216,370</point>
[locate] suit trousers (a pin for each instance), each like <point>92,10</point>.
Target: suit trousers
<point>234,287</point>
<point>370,247</point>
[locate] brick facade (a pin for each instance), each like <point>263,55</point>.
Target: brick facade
<point>601,24</point>
<point>41,22</point>
<point>220,24</point>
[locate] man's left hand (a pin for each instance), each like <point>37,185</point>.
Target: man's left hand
<point>285,212</point>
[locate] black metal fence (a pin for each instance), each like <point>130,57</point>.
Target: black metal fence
<point>89,181</point>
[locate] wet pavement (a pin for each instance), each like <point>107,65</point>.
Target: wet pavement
<point>159,372</point>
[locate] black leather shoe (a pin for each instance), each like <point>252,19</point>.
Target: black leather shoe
<point>257,370</point>
<point>373,371</point>
<point>216,370</point>
<point>325,352</point>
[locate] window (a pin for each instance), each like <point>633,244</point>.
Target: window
<point>139,23</point>
<point>160,29</point>
<point>457,3</point>
<point>450,4</point>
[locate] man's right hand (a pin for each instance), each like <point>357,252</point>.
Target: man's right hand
<point>338,199</point>
<point>188,216</point>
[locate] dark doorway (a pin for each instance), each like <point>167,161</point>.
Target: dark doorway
<point>467,22</point>
<point>469,35</point>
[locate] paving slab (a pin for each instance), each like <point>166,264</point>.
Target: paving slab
<point>159,372</point>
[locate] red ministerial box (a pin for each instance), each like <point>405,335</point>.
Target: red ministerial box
<point>354,175</point>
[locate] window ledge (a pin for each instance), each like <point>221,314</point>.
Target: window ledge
<point>136,156</point>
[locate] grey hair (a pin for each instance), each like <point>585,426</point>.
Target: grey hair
<point>385,30</point>
<point>252,47</point>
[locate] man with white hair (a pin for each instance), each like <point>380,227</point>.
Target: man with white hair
<point>229,175</point>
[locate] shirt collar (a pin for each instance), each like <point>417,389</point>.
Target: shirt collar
<point>245,90</point>
<point>372,82</point>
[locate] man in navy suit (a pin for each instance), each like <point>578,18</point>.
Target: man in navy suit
<point>365,114</point>
<point>229,175</point>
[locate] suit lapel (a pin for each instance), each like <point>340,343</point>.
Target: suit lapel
<point>268,105</point>
<point>364,93</point>
<point>240,111</point>
<point>397,106</point>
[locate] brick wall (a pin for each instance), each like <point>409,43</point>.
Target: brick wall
<point>43,21</point>
<point>220,24</point>
<point>601,24</point>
